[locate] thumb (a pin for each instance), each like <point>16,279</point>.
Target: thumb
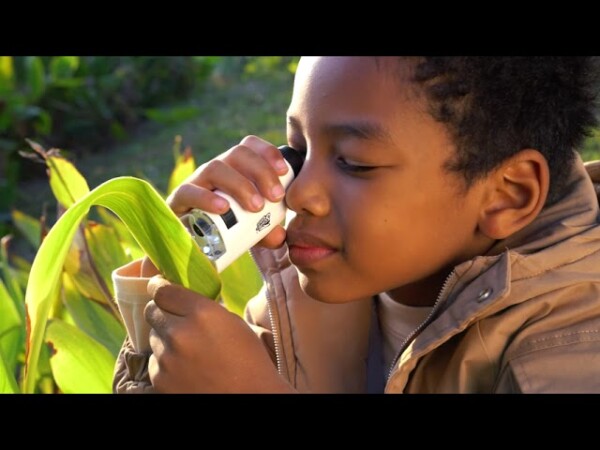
<point>174,298</point>
<point>155,283</point>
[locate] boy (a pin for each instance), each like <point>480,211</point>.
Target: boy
<point>445,239</point>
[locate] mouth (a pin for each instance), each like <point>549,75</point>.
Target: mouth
<point>307,249</point>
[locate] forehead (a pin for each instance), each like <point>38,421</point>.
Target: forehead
<point>352,84</point>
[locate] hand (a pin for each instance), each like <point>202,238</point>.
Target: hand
<point>249,172</point>
<point>199,346</point>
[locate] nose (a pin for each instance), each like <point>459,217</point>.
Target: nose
<point>308,194</point>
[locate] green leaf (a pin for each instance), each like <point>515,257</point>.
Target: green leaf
<point>35,77</point>
<point>241,281</point>
<point>21,264</point>
<point>20,268</point>
<point>44,378</point>
<point>91,318</point>
<point>156,228</point>
<point>10,278</point>
<point>67,184</point>
<point>11,329</point>
<point>6,74</point>
<point>8,384</point>
<point>63,66</point>
<point>69,83</point>
<point>117,130</point>
<point>81,267</point>
<point>29,227</point>
<point>43,124</point>
<point>184,167</point>
<point>106,250</point>
<point>128,243</point>
<point>79,364</point>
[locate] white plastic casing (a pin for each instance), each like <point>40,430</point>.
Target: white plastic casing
<point>224,238</point>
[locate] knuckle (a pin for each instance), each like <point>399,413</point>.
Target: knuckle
<point>177,339</point>
<point>158,372</point>
<point>211,167</point>
<point>150,311</point>
<point>241,151</point>
<point>273,152</point>
<point>203,316</point>
<point>178,193</point>
<point>251,140</point>
<point>160,293</point>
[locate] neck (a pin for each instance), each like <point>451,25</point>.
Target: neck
<point>421,293</point>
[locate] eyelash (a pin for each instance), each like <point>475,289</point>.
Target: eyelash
<point>352,168</point>
<point>341,163</point>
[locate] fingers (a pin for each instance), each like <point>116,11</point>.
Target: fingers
<point>187,196</point>
<point>175,299</point>
<point>218,174</point>
<point>248,172</point>
<point>268,152</point>
<point>258,169</point>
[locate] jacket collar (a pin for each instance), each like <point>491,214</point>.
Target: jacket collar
<point>485,285</point>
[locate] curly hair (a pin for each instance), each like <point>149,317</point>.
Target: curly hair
<point>497,106</point>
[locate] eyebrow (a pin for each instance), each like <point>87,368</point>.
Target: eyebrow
<point>360,129</point>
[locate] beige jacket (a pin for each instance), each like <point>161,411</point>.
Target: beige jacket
<point>524,319</point>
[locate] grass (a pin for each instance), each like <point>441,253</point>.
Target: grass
<point>224,111</point>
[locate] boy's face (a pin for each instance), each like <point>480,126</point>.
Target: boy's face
<point>375,208</point>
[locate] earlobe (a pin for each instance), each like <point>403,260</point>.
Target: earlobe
<point>516,194</point>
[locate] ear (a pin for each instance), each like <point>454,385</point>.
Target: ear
<point>516,193</point>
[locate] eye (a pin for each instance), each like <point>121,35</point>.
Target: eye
<point>350,167</point>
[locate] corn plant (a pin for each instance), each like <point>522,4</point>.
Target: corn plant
<point>60,329</point>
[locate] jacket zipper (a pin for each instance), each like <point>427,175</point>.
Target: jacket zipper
<point>417,330</point>
<point>276,343</point>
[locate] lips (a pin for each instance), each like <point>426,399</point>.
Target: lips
<point>306,249</point>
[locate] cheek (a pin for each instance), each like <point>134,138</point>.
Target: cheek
<point>415,234</point>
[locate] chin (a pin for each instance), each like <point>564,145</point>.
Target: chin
<point>324,292</point>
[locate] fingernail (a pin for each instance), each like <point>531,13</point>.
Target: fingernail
<point>277,191</point>
<point>280,165</point>
<point>220,203</point>
<point>257,201</point>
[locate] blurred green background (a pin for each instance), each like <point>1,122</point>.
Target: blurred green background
<point>116,116</point>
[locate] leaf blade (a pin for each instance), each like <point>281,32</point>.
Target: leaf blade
<point>28,226</point>
<point>92,319</point>
<point>66,182</point>
<point>79,363</point>
<point>155,227</point>
<point>8,384</point>
<point>241,281</point>
<point>35,77</point>
<point>184,167</point>
<point>11,329</point>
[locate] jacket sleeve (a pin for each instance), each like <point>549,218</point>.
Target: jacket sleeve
<point>131,371</point>
<point>257,316</point>
<point>567,364</point>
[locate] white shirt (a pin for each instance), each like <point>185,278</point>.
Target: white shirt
<point>397,322</point>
